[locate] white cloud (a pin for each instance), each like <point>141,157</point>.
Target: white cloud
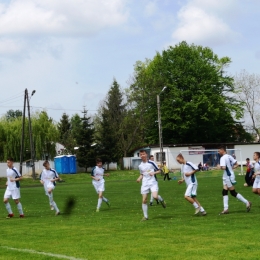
<point>60,17</point>
<point>200,23</point>
<point>150,8</point>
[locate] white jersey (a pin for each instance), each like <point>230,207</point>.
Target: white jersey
<point>227,161</point>
<point>186,168</point>
<point>98,172</point>
<point>12,173</point>
<point>145,169</point>
<point>48,175</point>
<point>257,170</point>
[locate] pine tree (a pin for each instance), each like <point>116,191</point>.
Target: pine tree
<point>84,139</point>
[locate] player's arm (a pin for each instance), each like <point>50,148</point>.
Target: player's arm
<point>180,181</point>
<point>235,165</point>
<point>56,177</point>
<point>93,175</point>
<point>187,174</point>
<point>41,178</point>
<point>140,178</point>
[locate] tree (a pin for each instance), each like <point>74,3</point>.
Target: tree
<point>198,97</point>
<point>84,139</point>
<point>248,91</point>
<point>112,113</point>
<point>66,138</point>
<point>13,114</point>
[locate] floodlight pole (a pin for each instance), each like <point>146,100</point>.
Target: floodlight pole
<point>31,138</point>
<point>160,127</point>
<point>22,138</point>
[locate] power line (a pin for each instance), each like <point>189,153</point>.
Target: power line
<point>16,96</point>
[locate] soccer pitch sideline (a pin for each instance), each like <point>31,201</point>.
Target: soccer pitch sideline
<point>117,233</point>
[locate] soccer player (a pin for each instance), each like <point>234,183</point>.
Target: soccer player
<point>98,182</point>
<point>13,188</point>
<point>256,185</point>
<point>151,158</point>
<point>188,172</point>
<point>228,163</point>
<point>148,169</point>
<point>48,178</point>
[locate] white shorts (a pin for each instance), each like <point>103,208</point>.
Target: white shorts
<point>256,184</point>
<point>146,188</point>
<point>229,181</point>
<point>48,186</point>
<point>99,186</point>
<point>15,194</point>
<point>191,190</point>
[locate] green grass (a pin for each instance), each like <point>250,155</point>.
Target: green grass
<point>117,233</point>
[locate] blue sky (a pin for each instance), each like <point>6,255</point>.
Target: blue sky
<point>69,51</point>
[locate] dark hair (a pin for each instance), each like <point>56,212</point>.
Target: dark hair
<point>98,160</point>
<point>151,156</point>
<point>222,147</point>
<point>258,154</point>
<point>11,159</point>
<point>247,159</point>
<point>142,151</point>
<point>45,163</point>
<point>180,156</point>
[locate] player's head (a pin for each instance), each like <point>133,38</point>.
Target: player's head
<point>180,159</point>
<point>256,156</point>
<point>151,157</point>
<point>99,162</point>
<point>143,155</point>
<point>222,150</point>
<point>46,164</point>
<point>247,159</point>
<point>10,162</point>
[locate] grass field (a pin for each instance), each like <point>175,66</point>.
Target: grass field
<point>117,233</point>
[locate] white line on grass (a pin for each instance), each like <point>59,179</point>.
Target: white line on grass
<point>42,253</point>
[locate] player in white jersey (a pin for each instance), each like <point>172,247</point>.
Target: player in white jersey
<point>148,169</point>
<point>256,185</point>
<point>98,182</point>
<point>13,188</point>
<point>151,158</point>
<point>188,172</point>
<point>228,163</point>
<point>48,178</point>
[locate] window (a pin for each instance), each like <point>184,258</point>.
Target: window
<point>158,157</point>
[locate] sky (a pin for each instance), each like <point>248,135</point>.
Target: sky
<point>70,51</point>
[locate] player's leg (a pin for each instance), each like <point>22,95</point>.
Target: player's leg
<point>8,195</point>
<point>155,189</point>
<point>240,197</point>
<point>202,210</point>
<point>190,194</point>
<point>151,199</point>
<point>16,197</point>
<point>144,206</point>
<point>144,191</point>
<point>53,203</point>
<point>100,196</point>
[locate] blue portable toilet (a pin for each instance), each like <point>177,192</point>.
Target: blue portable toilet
<point>61,164</point>
<point>72,163</point>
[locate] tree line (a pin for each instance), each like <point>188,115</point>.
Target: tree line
<point>201,103</point>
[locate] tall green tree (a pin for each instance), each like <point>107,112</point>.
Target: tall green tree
<point>199,96</point>
<point>13,114</point>
<point>112,113</point>
<point>84,139</point>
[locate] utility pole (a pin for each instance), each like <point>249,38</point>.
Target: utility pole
<point>160,127</point>
<point>30,134</point>
<point>22,138</point>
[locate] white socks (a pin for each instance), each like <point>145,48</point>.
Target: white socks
<point>160,198</point>
<point>105,199</point>
<point>201,209</point>
<point>20,208</point>
<point>99,203</point>
<point>50,195</point>
<point>151,200</point>
<point>241,198</point>
<point>145,210</point>
<point>8,208</point>
<point>55,206</point>
<point>225,202</point>
<point>195,205</point>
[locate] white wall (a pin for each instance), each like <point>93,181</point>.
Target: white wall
<point>247,151</point>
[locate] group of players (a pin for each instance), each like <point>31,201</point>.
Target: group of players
<point>148,170</point>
